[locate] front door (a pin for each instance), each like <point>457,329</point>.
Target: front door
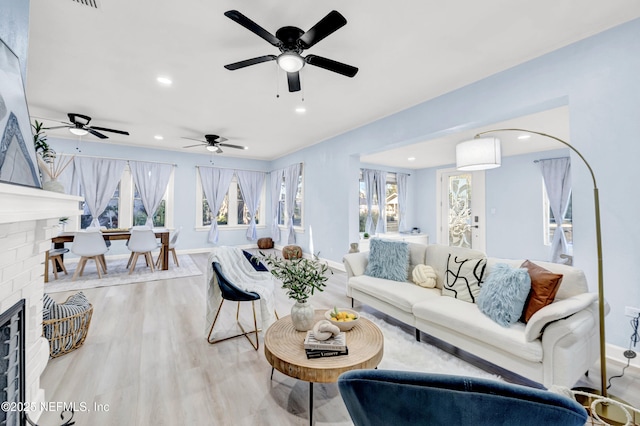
<point>462,209</point>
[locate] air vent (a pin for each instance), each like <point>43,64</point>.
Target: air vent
<point>91,3</point>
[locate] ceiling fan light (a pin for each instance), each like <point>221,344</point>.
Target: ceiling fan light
<point>290,62</point>
<point>78,132</point>
<point>212,148</point>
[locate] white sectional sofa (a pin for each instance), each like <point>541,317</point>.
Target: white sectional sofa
<point>557,345</point>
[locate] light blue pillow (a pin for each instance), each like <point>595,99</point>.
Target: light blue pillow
<point>503,294</point>
<point>388,259</point>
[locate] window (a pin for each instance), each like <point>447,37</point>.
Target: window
<point>140,214</point>
<point>550,223</point>
<point>125,207</point>
<point>233,202</point>
<point>391,204</point>
<point>297,210</point>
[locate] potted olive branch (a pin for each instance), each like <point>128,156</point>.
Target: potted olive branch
<point>300,277</point>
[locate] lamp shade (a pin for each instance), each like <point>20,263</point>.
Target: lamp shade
<point>478,154</point>
<point>77,131</point>
<point>290,62</point>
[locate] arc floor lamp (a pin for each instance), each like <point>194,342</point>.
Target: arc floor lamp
<point>484,153</point>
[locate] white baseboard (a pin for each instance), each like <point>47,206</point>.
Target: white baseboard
<point>338,266</point>
<point>615,356</point>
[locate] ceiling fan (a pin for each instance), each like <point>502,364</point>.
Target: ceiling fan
<point>79,125</point>
<point>292,41</point>
<point>213,143</point>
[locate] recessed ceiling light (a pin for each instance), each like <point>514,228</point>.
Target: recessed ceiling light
<point>524,137</point>
<point>158,137</point>
<point>411,158</point>
<point>164,80</point>
<point>301,110</point>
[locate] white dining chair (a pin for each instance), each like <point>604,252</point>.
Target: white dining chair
<point>172,249</point>
<point>89,244</point>
<point>142,241</point>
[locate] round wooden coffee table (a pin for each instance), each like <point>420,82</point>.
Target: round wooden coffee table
<point>284,350</point>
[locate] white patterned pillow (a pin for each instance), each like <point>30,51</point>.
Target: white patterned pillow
<point>463,277</point>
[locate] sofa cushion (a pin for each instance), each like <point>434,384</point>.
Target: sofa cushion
<point>503,294</point>
<point>437,255</point>
<point>466,319</point>
<point>388,259</point>
<point>463,277</point>
<point>544,286</point>
<point>402,295</point>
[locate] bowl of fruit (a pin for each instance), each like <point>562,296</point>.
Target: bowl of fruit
<point>345,319</point>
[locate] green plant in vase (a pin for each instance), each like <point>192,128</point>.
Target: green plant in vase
<point>300,278</point>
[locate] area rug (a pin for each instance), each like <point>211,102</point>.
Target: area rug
<point>118,274</point>
<point>403,352</point>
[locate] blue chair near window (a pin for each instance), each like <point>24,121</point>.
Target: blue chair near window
<point>384,397</point>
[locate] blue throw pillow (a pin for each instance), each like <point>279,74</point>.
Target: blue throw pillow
<point>388,260</point>
<point>503,294</point>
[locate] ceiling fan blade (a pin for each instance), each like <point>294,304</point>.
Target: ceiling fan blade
<point>253,27</point>
<point>232,146</point>
<point>219,151</point>
<point>331,65</point>
<point>221,139</point>
<point>57,127</point>
<point>94,133</point>
<point>192,139</point>
<point>104,129</point>
<point>294,81</point>
<point>248,62</point>
<point>326,26</point>
<point>192,146</point>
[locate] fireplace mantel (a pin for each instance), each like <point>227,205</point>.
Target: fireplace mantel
<point>28,220</point>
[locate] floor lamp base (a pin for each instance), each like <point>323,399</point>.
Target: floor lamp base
<point>610,412</point>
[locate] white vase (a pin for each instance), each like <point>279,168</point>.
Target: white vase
<point>302,315</point>
<point>53,185</point>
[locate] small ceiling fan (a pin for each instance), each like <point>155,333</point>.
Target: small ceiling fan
<point>79,125</point>
<point>292,41</point>
<point>213,143</point>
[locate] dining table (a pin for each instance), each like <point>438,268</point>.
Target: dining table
<point>111,235</point>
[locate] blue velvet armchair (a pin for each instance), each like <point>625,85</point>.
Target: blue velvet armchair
<point>384,397</point>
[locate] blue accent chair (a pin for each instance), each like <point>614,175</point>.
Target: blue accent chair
<point>234,294</point>
<point>385,397</point>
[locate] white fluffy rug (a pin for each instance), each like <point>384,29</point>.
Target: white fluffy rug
<point>403,352</point>
<point>118,274</point>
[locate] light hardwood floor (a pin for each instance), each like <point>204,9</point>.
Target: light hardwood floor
<point>147,359</point>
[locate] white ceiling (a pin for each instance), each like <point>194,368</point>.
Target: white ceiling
<point>104,63</point>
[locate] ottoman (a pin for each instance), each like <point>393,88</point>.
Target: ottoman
<point>291,252</point>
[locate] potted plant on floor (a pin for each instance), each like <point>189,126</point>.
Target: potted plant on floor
<point>300,277</point>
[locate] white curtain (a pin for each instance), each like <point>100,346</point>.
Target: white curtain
<point>151,179</point>
<point>401,181</point>
<point>369,187</point>
<point>276,185</point>
<point>99,178</point>
<point>215,184</point>
<point>251,187</point>
<point>291,175</point>
<point>381,187</point>
<point>69,177</point>
<point>556,173</point>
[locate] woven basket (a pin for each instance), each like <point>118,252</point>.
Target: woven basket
<point>68,333</point>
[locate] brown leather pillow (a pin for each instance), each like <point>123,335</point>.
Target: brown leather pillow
<point>544,286</point>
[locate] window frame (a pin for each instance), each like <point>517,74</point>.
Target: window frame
<point>232,220</point>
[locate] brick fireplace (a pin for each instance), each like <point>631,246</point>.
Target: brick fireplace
<point>28,220</point>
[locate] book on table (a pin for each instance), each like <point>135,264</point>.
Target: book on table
<point>336,343</point>
<point>322,353</point>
